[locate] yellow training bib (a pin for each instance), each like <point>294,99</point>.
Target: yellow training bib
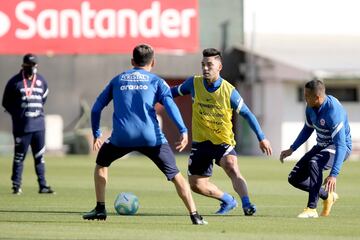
<point>212,113</point>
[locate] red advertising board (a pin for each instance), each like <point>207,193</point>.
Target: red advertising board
<point>96,26</point>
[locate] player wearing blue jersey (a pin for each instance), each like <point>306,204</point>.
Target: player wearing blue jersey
<point>135,128</point>
<point>214,101</point>
<point>328,118</point>
<point>24,97</point>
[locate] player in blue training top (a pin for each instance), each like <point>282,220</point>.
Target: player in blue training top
<point>328,118</point>
<point>24,97</point>
<point>136,128</point>
<point>214,101</point>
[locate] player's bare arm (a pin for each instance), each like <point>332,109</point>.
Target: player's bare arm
<point>284,154</point>
<point>265,147</point>
<point>97,144</point>
<point>183,141</point>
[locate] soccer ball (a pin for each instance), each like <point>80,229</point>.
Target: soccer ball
<point>126,203</point>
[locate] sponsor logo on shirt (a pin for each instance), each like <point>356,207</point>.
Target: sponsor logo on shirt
<point>322,122</point>
<point>134,77</point>
<point>133,87</point>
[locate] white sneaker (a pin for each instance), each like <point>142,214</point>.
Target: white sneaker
<point>308,213</point>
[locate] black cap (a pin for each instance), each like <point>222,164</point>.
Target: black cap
<point>30,59</point>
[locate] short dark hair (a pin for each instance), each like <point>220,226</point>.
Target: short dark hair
<point>143,55</point>
<point>212,52</point>
<point>316,86</point>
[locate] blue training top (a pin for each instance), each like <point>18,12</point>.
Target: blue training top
<point>331,124</point>
<point>237,103</point>
<point>24,99</point>
<point>135,93</point>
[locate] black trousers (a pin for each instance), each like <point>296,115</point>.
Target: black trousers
<point>22,142</point>
<point>307,174</point>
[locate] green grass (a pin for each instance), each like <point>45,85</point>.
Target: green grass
<point>161,214</point>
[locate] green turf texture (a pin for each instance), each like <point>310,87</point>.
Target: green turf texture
<point>161,214</point>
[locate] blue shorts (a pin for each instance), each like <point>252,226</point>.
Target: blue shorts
<point>202,156</point>
<point>161,155</point>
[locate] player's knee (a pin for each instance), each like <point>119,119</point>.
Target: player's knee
<point>39,160</point>
<point>196,187</point>
<point>291,180</point>
<point>229,165</point>
<point>313,165</point>
<point>232,170</point>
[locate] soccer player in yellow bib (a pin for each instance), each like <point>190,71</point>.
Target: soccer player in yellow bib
<point>213,102</point>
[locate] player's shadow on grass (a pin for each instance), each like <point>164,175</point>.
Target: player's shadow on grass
<point>82,212</point>
<point>40,211</point>
<point>153,214</point>
<point>143,214</point>
<point>177,215</point>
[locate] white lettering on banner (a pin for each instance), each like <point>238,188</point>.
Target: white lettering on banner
<point>49,15</point>
<point>27,20</point>
<point>133,23</point>
<point>5,24</point>
<point>105,15</point>
<point>87,15</point>
<point>171,19</point>
<point>70,15</point>
<point>107,23</point>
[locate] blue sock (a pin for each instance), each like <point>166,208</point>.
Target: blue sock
<point>245,201</point>
<point>226,198</point>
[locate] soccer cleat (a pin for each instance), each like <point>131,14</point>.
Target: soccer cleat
<point>308,213</point>
<point>16,190</point>
<point>226,207</point>
<point>250,210</point>
<point>95,214</point>
<point>46,190</point>
<point>197,219</point>
<point>328,203</point>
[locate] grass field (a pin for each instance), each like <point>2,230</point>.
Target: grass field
<point>161,214</point>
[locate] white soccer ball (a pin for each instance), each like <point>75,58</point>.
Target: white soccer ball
<point>126,203</point>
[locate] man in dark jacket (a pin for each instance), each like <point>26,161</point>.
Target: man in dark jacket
<point>24,98</point>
